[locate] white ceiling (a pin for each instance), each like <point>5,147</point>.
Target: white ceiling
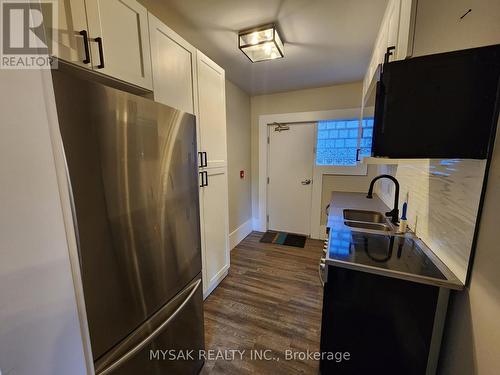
<point>326,41</point>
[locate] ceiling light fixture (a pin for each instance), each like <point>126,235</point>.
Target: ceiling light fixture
<point>261,43</point>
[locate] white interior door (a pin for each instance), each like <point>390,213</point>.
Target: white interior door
<point>290,171</point>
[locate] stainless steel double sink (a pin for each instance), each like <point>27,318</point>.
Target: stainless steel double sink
<point>367,220</point>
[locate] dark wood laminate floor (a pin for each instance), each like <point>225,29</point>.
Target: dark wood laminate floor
<point>271,300</point>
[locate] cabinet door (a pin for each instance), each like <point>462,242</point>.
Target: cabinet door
<point>407,14</point>
<point>215,227</point>
<point>70,29</point>
<point>122,26</point>
<point>392,28</point>
<point>173,60</point>
<point>212,110</point>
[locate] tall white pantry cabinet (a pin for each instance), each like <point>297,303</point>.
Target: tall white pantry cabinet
<point>185,78</point>
<point>214,193</point>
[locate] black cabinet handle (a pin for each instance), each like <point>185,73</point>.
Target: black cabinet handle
<point>83,33</point>
<point>101,52</point>
<point>202,174</point>
<point>203,159</point>
<point>389,53</point>
<point>357,154</point>
<point>204,178</point>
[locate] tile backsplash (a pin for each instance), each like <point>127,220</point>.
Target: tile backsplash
<point>443,201</point>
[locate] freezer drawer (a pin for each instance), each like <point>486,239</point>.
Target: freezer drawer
<point>177,327</point>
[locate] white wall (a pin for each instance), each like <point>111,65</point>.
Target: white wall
<point>472,335</point>
<point>39,325</point>
<point>317,99</point>
<point>357,184</point>
<point>438,26</point>
<point>238,156</point>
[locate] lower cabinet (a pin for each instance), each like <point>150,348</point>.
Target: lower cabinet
<point>374,324</point>
<point>214,226</point>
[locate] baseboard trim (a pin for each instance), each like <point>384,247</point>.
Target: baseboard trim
<point>216,281</point>
<point>240,233</point>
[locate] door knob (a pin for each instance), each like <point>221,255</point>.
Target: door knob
<point>306,182</point>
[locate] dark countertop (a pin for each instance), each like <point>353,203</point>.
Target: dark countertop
<point>400,256</point>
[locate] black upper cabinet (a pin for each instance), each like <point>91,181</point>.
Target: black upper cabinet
<point>438,106</point>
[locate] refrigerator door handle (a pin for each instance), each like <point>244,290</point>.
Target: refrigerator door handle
<point>122,353</point>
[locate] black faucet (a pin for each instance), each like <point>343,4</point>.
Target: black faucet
<point>394,214</point>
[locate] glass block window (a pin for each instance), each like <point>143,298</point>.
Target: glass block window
<point>337,141</point>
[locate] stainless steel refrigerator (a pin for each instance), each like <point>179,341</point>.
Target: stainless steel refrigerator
<point>132,164</point>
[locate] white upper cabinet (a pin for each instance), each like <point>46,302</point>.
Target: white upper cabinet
<point>212,111</point>
<point>396,31</point>
<point>393,25</point>
<point>71,32</point>
<point>119,33</point>
<point>108,36</point>
<point>406,32</point>
<point>174,62</point>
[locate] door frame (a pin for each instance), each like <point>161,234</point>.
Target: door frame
<point>259,217</point>
<point>312,123</point>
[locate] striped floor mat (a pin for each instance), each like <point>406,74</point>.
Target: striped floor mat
<point>284,238</point>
